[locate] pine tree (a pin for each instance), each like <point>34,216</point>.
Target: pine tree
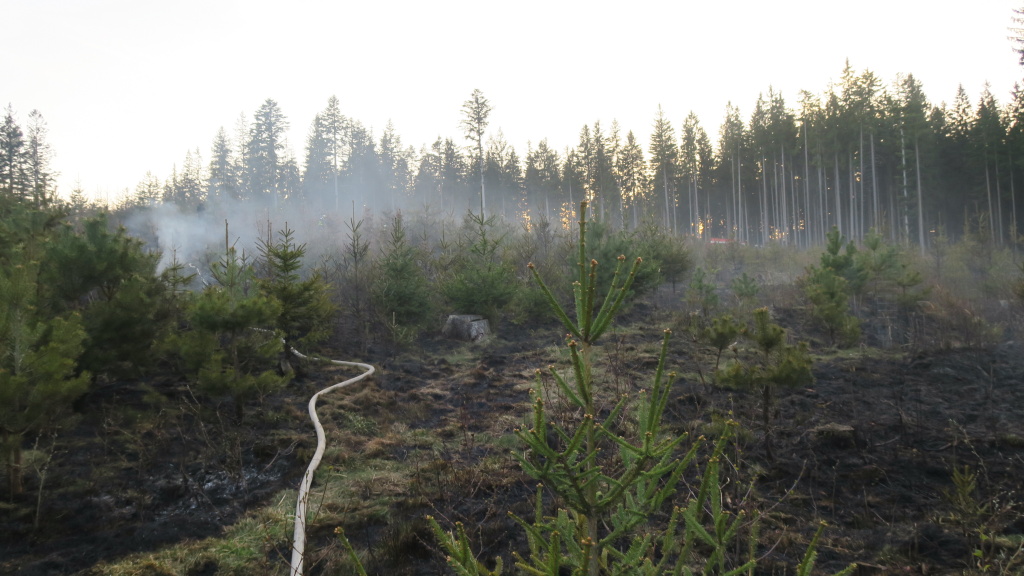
<point>634,183</point>
<point>730,160</point>
<point>775,364</point>
<point>695,161</point>
<point>265,153</point>
<point>609,481</point>
<point>541,180</point>
<point>483,282</point>
<point>13,176</point>
<point>401,292</point>
<point>38,372</point>
<point>38,156</point>
<point>304,307</point>
<point>395,170</point>
<point>664,166</point>
<point>222,184</point>
<point>232,348</point>
<point>362,169</point>
<point>148,192</point>
<point>111,280</point>
<point>318,177</point>
<point>475,113</point>
<point>830,286</point>
<point>188,186</point>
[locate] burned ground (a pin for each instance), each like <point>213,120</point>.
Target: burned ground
<point>870,449</point>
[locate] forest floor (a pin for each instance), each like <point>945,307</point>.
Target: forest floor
<point>870,448</point>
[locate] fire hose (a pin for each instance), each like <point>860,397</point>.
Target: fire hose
<point>299,537</point>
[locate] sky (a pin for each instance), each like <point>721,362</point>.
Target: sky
<point>129,86</point>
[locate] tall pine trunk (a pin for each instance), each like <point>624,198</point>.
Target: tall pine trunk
<point>988,194</point>
<point>920,201</point>
<point>839,199</point>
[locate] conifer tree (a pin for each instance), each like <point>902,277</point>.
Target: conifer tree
<point>265,154</point>
<point>38,155</point>
<point>232,348</point>
<point>475,113</point>
<point>38,372</point>
<point>305,309</point>
<point>111,279</point>
<point>830,286</point>
<point>634,183</point>
<point>775,364</point>
<point>222,184</point>
<point>401,292</point>
<point>13,176</point>
<point>664,166</point>
<point>609,482</point>
<point>483,282</point>
<point>541,181</point>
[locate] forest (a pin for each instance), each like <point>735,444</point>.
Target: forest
<point>795,350</point>
<point>861,155</point>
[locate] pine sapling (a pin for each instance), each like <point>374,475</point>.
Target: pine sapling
<point>608,483</point>
<point>774,364</point>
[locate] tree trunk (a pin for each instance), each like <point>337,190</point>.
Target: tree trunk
<point>808,229</point>
<point>906,186</point>
<point>839,200</point>
<point>1013,212</point>
<point>14,464</point>
<point>766,418</point>
<point>874,187</point>
<point>999,202</point>
<point>988,194</point>
<point>920,202</point>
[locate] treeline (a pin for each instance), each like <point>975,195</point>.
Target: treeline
<point>860,156</point>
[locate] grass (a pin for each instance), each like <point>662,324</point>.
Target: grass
<point>254,545</point>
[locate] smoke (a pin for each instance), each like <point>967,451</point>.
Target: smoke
<point>196,237</point>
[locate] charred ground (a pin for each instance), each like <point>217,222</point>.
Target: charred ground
<point>870,449</point>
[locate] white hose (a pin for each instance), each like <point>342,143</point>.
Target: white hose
<point>299,538</point>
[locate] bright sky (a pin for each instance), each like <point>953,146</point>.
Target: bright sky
<point>128,86</point>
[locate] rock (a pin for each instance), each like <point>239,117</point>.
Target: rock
<point>839,435</point>
<point>468,327</point>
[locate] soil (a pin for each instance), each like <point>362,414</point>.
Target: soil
<point>870,449</point>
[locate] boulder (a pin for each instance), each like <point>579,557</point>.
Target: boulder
<point>468,327</point>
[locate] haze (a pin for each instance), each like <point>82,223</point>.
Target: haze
<point>128,87</point>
